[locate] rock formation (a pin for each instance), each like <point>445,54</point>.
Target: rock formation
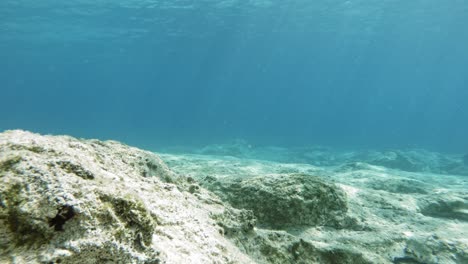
<point>68,200</point>
<point>65,200</point>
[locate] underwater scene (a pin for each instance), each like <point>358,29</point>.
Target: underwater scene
<point>234,131</point>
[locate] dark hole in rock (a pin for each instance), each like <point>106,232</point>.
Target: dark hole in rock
<point>64,214</point>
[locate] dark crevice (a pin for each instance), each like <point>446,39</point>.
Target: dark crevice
<point>64,214</point>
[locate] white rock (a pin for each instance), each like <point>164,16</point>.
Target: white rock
<point>122,204</point>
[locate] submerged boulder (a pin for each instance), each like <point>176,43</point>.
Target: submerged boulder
<point>445,206</point>
<point>86,201</point>
<point>285,200</point>
<point>398,160</point>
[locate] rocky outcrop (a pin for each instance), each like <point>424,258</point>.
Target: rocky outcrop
<point>67,200</point>
<point>285,200</point>
<point>64,200</point>
<point>445,206</point>
<point>390,216</point>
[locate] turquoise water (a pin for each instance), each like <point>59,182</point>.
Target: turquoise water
<point>362,74</point>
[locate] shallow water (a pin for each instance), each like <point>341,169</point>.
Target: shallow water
<point>345,119</point>
<point>346,74</point>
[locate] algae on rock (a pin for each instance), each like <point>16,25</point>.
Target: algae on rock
<point>285,200</point>
<point>85,201</point>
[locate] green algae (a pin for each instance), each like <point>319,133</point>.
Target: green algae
<point>28,230</point>
<point>9,164</point>
<point>135,222</point>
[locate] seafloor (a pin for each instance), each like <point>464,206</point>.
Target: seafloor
<point>407,206</point>
<point>67,200</point>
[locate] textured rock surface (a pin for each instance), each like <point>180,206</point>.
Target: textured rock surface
<point>86,201</point>
<point>285,200</point>
<point>392,216</point>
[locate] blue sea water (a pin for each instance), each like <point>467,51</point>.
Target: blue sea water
<point>154,73</point>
